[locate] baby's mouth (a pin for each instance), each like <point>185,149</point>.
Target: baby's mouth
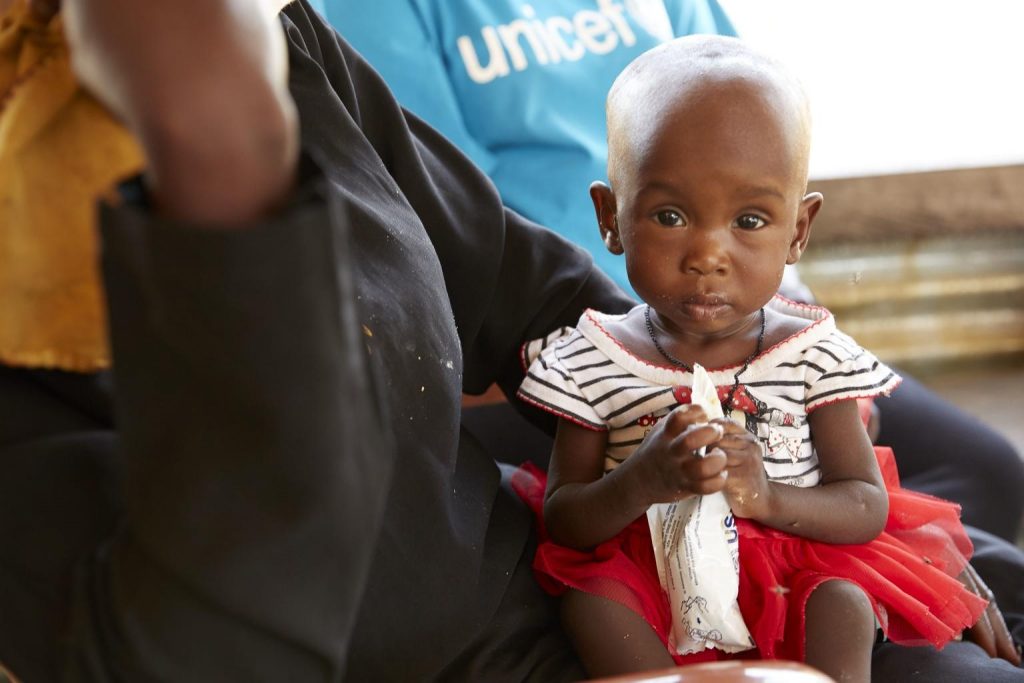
<point>704,306</point>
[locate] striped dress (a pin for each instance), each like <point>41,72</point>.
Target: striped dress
<point>908,572</point>
<point>586,376</point>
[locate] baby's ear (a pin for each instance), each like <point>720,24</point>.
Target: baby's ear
<point>607,223</point>
<point>809,207</point>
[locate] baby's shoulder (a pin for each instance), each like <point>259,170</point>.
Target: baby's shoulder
<point>627,329</point>
<point>629,332</point>
<point>782,326</point>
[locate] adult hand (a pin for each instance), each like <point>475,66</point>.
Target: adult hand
<point>666,468</point>
<point>203,85</point>
<point>990,633</point>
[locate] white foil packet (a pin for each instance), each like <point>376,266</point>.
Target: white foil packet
<point>696,547</point>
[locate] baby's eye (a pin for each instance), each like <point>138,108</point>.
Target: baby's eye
<point>669,218</point>
<point>750,221</point>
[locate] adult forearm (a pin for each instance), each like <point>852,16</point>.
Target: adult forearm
<point>203,84</point>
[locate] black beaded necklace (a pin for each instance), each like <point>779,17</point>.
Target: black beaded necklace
<point>727,403</point>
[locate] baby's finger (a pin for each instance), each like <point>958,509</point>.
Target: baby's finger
<point>682,418</point>
<point>709,478</point>
<point>708,486</point>
<point>730,426</point>
<point>740,448</point>
<point>696,437</point>
<point>707,474</point>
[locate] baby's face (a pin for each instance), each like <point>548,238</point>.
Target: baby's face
<point>709,207</point>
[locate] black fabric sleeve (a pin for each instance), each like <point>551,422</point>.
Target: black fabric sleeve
<point>254,449</point>
<point>509,280</point>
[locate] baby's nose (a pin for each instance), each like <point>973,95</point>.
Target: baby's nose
<point>706,253</point>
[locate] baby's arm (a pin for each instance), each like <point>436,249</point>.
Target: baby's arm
<point>583,508</point>
<point>849,506</point>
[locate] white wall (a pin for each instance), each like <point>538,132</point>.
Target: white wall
<point>900,85</point>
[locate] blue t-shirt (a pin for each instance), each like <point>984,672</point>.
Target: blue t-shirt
<point>520,86</point>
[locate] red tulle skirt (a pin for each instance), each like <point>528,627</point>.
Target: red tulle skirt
<point>909,572</point>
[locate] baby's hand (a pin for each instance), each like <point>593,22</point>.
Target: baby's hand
<point>747,485</point>
<point>665,467</point>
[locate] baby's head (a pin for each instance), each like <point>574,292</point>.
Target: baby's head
<point>708,145</point>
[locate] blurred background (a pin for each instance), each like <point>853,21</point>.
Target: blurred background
<point>919,151</point>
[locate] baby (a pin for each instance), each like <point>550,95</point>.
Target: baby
<point>708,202</point>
